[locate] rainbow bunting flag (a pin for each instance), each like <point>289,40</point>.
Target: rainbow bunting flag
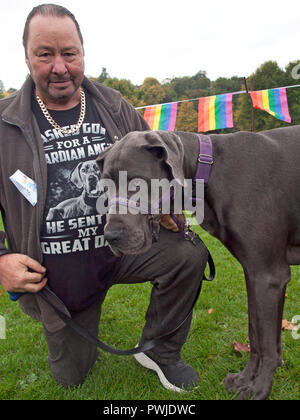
<point>215,112</point>
<point>161,117</point>
<point>273,101</point>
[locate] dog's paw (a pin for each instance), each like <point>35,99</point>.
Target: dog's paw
<point>260,388</point>
<point>235,382</point>
<point>246,388</point>
<point>253,392</point>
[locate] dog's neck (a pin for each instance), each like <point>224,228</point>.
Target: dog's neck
<point>191,152</point>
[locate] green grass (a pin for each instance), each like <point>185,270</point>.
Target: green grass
<point>24,372</point>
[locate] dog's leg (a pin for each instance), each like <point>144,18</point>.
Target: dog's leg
<point>266,290</point>
<point>236,381</point>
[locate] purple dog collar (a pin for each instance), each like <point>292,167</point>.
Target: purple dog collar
<point>205,158</point>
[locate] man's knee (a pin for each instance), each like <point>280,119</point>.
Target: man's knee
<point>193,255</point>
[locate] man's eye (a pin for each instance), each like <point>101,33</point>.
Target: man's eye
<point>69,55</point>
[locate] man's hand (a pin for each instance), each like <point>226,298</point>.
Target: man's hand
<point>20,273</point>
<point>168,223</point>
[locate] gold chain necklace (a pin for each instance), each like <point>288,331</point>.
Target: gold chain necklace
<point>54,123</point>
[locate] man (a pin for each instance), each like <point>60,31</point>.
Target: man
<point>54,127</point>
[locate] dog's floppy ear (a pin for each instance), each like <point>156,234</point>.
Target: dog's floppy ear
<point>166,146</point>
<point>100,158</point>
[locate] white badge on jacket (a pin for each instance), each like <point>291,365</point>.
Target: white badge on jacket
<point>25,185</point>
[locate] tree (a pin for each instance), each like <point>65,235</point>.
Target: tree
<point>224,85</point>
<point>293,95</point>
<point>125,87</point>
<point>2,90</point>
<point>269,75</point>
<point>180,88</point>
<point>151,92</point>
<point>187,118</point>
<point>103,76</point>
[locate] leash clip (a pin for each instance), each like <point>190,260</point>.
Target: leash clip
<point>189,235</point>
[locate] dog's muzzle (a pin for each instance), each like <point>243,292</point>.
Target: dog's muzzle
<point>154,213</point>
<point>140,208</point>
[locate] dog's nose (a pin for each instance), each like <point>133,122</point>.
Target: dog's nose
<point>113,235</point>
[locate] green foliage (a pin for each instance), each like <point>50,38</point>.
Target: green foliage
<point>152,92</point>
<point>186,87</point>
<point>2,90</point>
<point>223,85</point>
<point>187,118</point>
<point>268,76</point>
<point>103,76</point>
<point>125,87</point>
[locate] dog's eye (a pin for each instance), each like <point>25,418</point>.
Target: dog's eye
<point>136,182</point>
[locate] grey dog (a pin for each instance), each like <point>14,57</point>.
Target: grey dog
<point>252,205</point>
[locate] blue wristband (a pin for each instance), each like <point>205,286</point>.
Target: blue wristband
<point>15,296</point>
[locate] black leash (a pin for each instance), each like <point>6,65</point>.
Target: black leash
<point>96,342</point>
<point>141,348</point>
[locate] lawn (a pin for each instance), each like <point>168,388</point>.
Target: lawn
<point>220,317</point>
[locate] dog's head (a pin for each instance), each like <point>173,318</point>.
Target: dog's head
<point>142,156</point>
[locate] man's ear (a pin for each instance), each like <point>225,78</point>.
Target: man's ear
<point>27,63</point>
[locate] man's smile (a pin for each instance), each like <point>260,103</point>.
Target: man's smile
<point>61,83</point>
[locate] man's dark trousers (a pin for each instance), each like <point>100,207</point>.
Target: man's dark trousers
<point>175,268</point>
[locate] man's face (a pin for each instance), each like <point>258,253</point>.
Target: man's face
<point>55,58</point>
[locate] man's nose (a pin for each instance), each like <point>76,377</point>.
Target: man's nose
<point>59,66</point>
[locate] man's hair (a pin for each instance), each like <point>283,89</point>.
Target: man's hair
<point>49,9</point>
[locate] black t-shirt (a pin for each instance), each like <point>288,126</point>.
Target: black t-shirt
<point>79,263</point>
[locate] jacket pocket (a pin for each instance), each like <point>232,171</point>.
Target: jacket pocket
<point>29,306</point>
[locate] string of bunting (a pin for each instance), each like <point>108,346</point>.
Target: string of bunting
<point>215,112</point>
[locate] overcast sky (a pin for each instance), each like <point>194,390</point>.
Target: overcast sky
<point>135,39</point>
